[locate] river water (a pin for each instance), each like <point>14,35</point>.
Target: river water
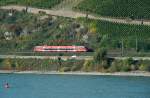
<point>72,86</point>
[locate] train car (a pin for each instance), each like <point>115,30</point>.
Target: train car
<point>60,49</point>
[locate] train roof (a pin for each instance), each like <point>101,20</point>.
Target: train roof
<point>59,46</point>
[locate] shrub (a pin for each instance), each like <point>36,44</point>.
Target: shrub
<point>75,68</point>
<point>125,68</point>
<point>100,55</point>
<point>88,66</point>
<point>120,65</point>
<point>129,61</point>
<point>134,67</point>
<point>113,68</point>
<point>144,67</point>
<point>65,69</point>
<point>7,64</point>
<point>126,65</point>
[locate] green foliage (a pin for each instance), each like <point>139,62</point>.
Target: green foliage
<point>75,68</point>
<point>41,65</point>
<point>29,30</point>
<point>6,64</point>
<point>88,66</point>
<point>65,69</point>
<point>115,67</point>
<point>33,3</point>
<point>110,35</point>
<point>117,8</point>
<point>122,65</point>
<point>125,68</point>
<point>145,65</point>
<point>100,55</point>
<point>28,64</point>
<point>130,61</point>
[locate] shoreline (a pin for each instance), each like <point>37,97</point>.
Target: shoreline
<point>135,73</point>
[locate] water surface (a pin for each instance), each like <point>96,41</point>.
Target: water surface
<point>72,86</point>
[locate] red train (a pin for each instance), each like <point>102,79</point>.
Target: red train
<point>60,49</point>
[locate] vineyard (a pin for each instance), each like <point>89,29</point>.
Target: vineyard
<point>117,8</point>
<point>115,33</point>
<point>33,3</point>
<point>111,35</point>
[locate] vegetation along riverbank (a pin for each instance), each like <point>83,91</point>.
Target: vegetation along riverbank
<point>21,31</point>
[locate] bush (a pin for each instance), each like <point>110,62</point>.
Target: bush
<point>126,65</point>
<point>100,55</point>
<point>144,67</point>
<point>7,64</point>
<point>134,67</point>
<point>65,69</point>
<point>88,66</point>
<point>125,68</point>
<point>120,65</point>
<point>75,68</point>
<point>113,68</point>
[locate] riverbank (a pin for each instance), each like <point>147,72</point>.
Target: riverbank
<point>133,73</point>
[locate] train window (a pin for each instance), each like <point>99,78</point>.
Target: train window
<point>50,49</point>
<point>65,49</point>
<point>58,49</point>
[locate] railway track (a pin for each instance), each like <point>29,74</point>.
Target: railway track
<point>47,57</point>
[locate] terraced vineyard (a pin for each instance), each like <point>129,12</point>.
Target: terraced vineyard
<point>111,35</point>
<point>117,8</point>
<point>67,5</point>
<point>33,3</point>
<point>128,33</point>
<point>122,31</point>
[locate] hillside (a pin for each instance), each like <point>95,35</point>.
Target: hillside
<point>28,30</point>
<point>111,35</point>
<point>67,5</point>
<point>21,31</point>
<point>33,3</point>
<point>117,8</point>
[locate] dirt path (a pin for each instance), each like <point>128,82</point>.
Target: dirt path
<point>73,14</point>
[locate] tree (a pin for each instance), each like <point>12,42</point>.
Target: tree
<point>59,63</point>
<point>100,55</point>
<point>100,59</point>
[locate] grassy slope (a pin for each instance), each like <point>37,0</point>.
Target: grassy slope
<point>33,3</point>
<point>117,8</point>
